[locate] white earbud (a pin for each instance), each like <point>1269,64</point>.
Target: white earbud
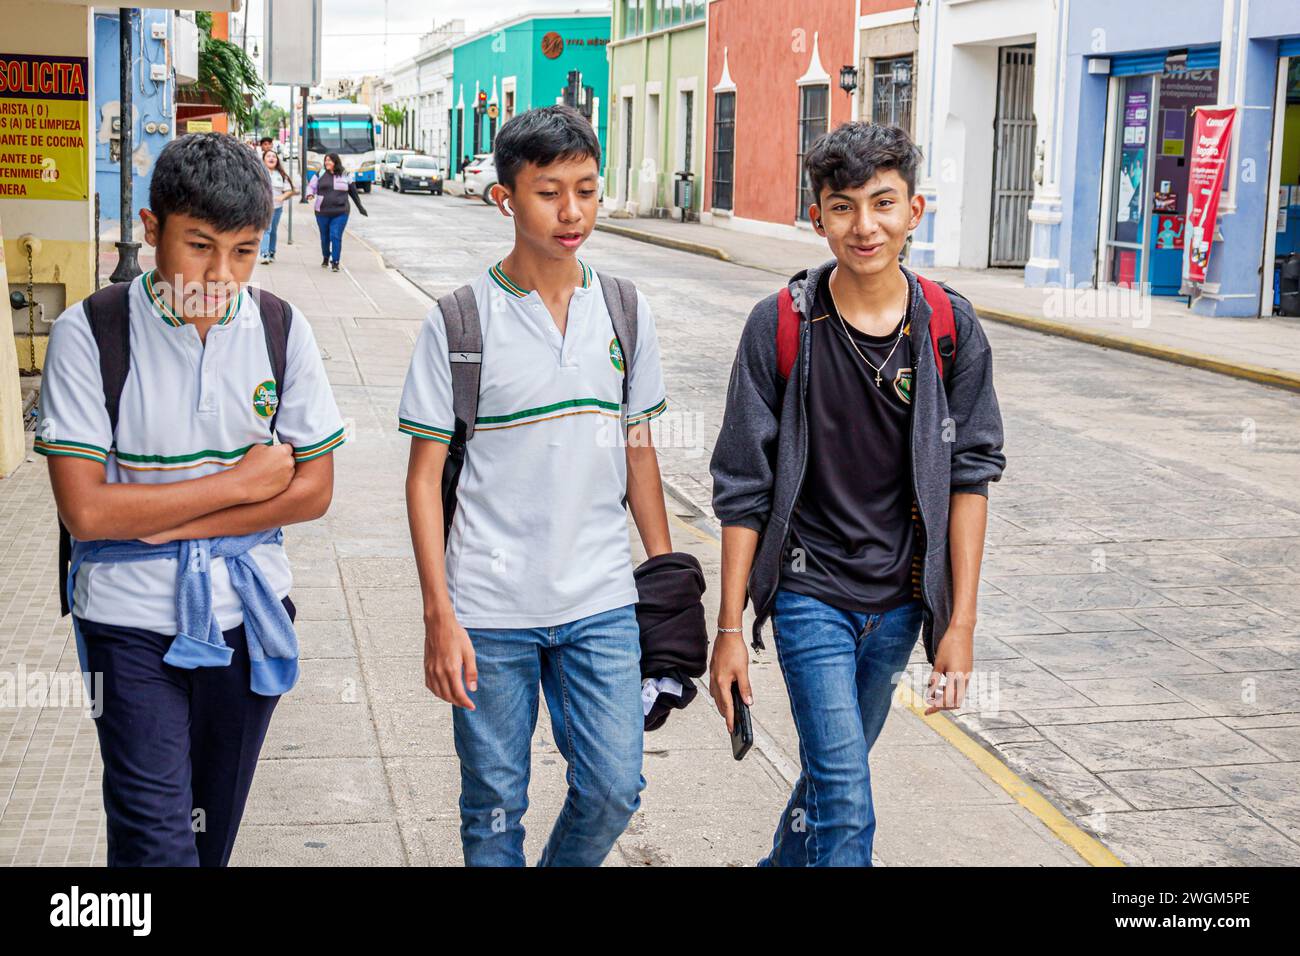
<point>510,211</point>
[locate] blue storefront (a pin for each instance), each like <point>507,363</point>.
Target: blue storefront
<point>1132,76</point>
<point>153,106</point>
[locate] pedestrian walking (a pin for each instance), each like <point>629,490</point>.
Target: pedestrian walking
<point>177,576</point>
<point>851,478</point>
<point>281,189</point>
<point>546,415</point>
<point>332,189</point>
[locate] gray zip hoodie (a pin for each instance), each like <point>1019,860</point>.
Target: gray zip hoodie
<point>761,455</point>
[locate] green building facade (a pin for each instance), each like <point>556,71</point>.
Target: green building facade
<point>521,64</point>
<point>657,100</point>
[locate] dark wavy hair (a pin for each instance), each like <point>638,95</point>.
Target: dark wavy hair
<point>206,175</point>
<point>848,156</point>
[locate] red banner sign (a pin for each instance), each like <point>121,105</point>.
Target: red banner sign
<point>1210,141</point>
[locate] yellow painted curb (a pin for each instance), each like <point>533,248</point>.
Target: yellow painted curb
<point>1081,842</point>
<point>1168,353</point>
<point>1092,850</point>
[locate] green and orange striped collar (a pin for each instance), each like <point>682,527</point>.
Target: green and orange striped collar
<point>168,314</point>
<point>514,289</point>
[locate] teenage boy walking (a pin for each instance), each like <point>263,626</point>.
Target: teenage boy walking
<point>853,499</point>
<point>536,585</point>
<point>160,402</point>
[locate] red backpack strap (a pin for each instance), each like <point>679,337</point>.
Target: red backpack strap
<point>943,327</point>
<point>787,333</point>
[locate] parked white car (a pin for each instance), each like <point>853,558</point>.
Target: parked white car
<point>481,176</point>
<point>388,164</point>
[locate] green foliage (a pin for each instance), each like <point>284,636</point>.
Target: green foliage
<point>393,115</point>
<point>268,118</point>
<point>227,74</point>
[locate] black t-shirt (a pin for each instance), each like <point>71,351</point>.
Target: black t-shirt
<point>854,534</point>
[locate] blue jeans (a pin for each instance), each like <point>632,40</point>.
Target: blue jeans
<point>331,235</point>
<point>268,237</point>
<point>840,669</point>
<point>590,671</point>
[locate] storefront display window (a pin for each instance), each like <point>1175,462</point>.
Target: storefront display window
<point>1144,242</point>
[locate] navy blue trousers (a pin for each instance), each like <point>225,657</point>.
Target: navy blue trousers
<point>179,746</point>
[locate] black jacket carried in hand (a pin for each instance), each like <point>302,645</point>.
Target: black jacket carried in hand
<point>674,638</point>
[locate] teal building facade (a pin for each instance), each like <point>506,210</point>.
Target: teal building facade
<point>520,64</point>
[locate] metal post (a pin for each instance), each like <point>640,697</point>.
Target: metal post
<point>293,166</point>
<point>128,267</point>
<point>302,146</point>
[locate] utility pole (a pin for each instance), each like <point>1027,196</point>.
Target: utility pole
<point>302,146</point>
<point>128,267</point>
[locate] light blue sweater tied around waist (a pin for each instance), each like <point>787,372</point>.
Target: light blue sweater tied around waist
<point>272,643</point>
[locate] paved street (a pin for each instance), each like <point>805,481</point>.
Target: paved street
<point>1138,618</point>
<point>1137,640</point>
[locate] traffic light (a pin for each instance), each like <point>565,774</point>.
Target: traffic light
<point>481,105</point>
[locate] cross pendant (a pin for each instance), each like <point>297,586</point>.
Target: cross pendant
<point>877,379</point>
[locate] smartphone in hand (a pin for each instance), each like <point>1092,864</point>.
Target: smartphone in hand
<point>742,734</point>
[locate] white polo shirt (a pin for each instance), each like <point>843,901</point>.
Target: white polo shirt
<point>540,536</point>
<point>188,409</point>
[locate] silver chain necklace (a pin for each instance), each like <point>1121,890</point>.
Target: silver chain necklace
<point>876,368</point>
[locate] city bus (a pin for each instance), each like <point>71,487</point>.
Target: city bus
<point>346,128</point>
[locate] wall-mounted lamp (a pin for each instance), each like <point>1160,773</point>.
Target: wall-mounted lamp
<point>848,79</point>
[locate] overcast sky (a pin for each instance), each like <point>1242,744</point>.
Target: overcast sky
<point>360,38</point>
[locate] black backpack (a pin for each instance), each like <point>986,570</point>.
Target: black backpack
<point>465,351</point>
<point>107,311</point>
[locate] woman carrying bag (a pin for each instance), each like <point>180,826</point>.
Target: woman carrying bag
<point>332,189</point>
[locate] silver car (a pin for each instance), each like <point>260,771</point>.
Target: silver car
<point>388,164</point>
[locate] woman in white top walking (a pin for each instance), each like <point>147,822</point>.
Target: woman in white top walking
<point>281,189</point>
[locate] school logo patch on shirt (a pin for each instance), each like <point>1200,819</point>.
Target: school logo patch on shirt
<point>903,385</point>
<point>265,399</point>
<point>615,354</point>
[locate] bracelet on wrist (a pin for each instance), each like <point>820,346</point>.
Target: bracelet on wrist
<point>731,630</point>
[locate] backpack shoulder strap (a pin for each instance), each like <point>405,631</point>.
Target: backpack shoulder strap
<point>109,316</point>
<point>277,317</point>
<point>620,300</point>
<point>465,352</point>
<point>943,327</point>
<point>108,313</point>
<point>787,333</point>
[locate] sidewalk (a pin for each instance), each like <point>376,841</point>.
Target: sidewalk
<point>1260,350</point>
<point>359,767</point>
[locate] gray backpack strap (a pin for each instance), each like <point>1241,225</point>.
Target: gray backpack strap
<point>620,300</point>
<point>465,352</point>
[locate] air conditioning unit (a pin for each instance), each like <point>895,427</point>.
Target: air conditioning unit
<point>185,50</point>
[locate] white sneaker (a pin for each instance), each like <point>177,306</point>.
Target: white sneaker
<point>265,260</point>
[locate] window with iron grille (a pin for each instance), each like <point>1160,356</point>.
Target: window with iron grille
<point>724,149</point>
<point>891,92</point>
<point>814,115</point>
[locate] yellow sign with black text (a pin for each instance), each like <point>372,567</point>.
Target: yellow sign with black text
<point>44,127</point>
